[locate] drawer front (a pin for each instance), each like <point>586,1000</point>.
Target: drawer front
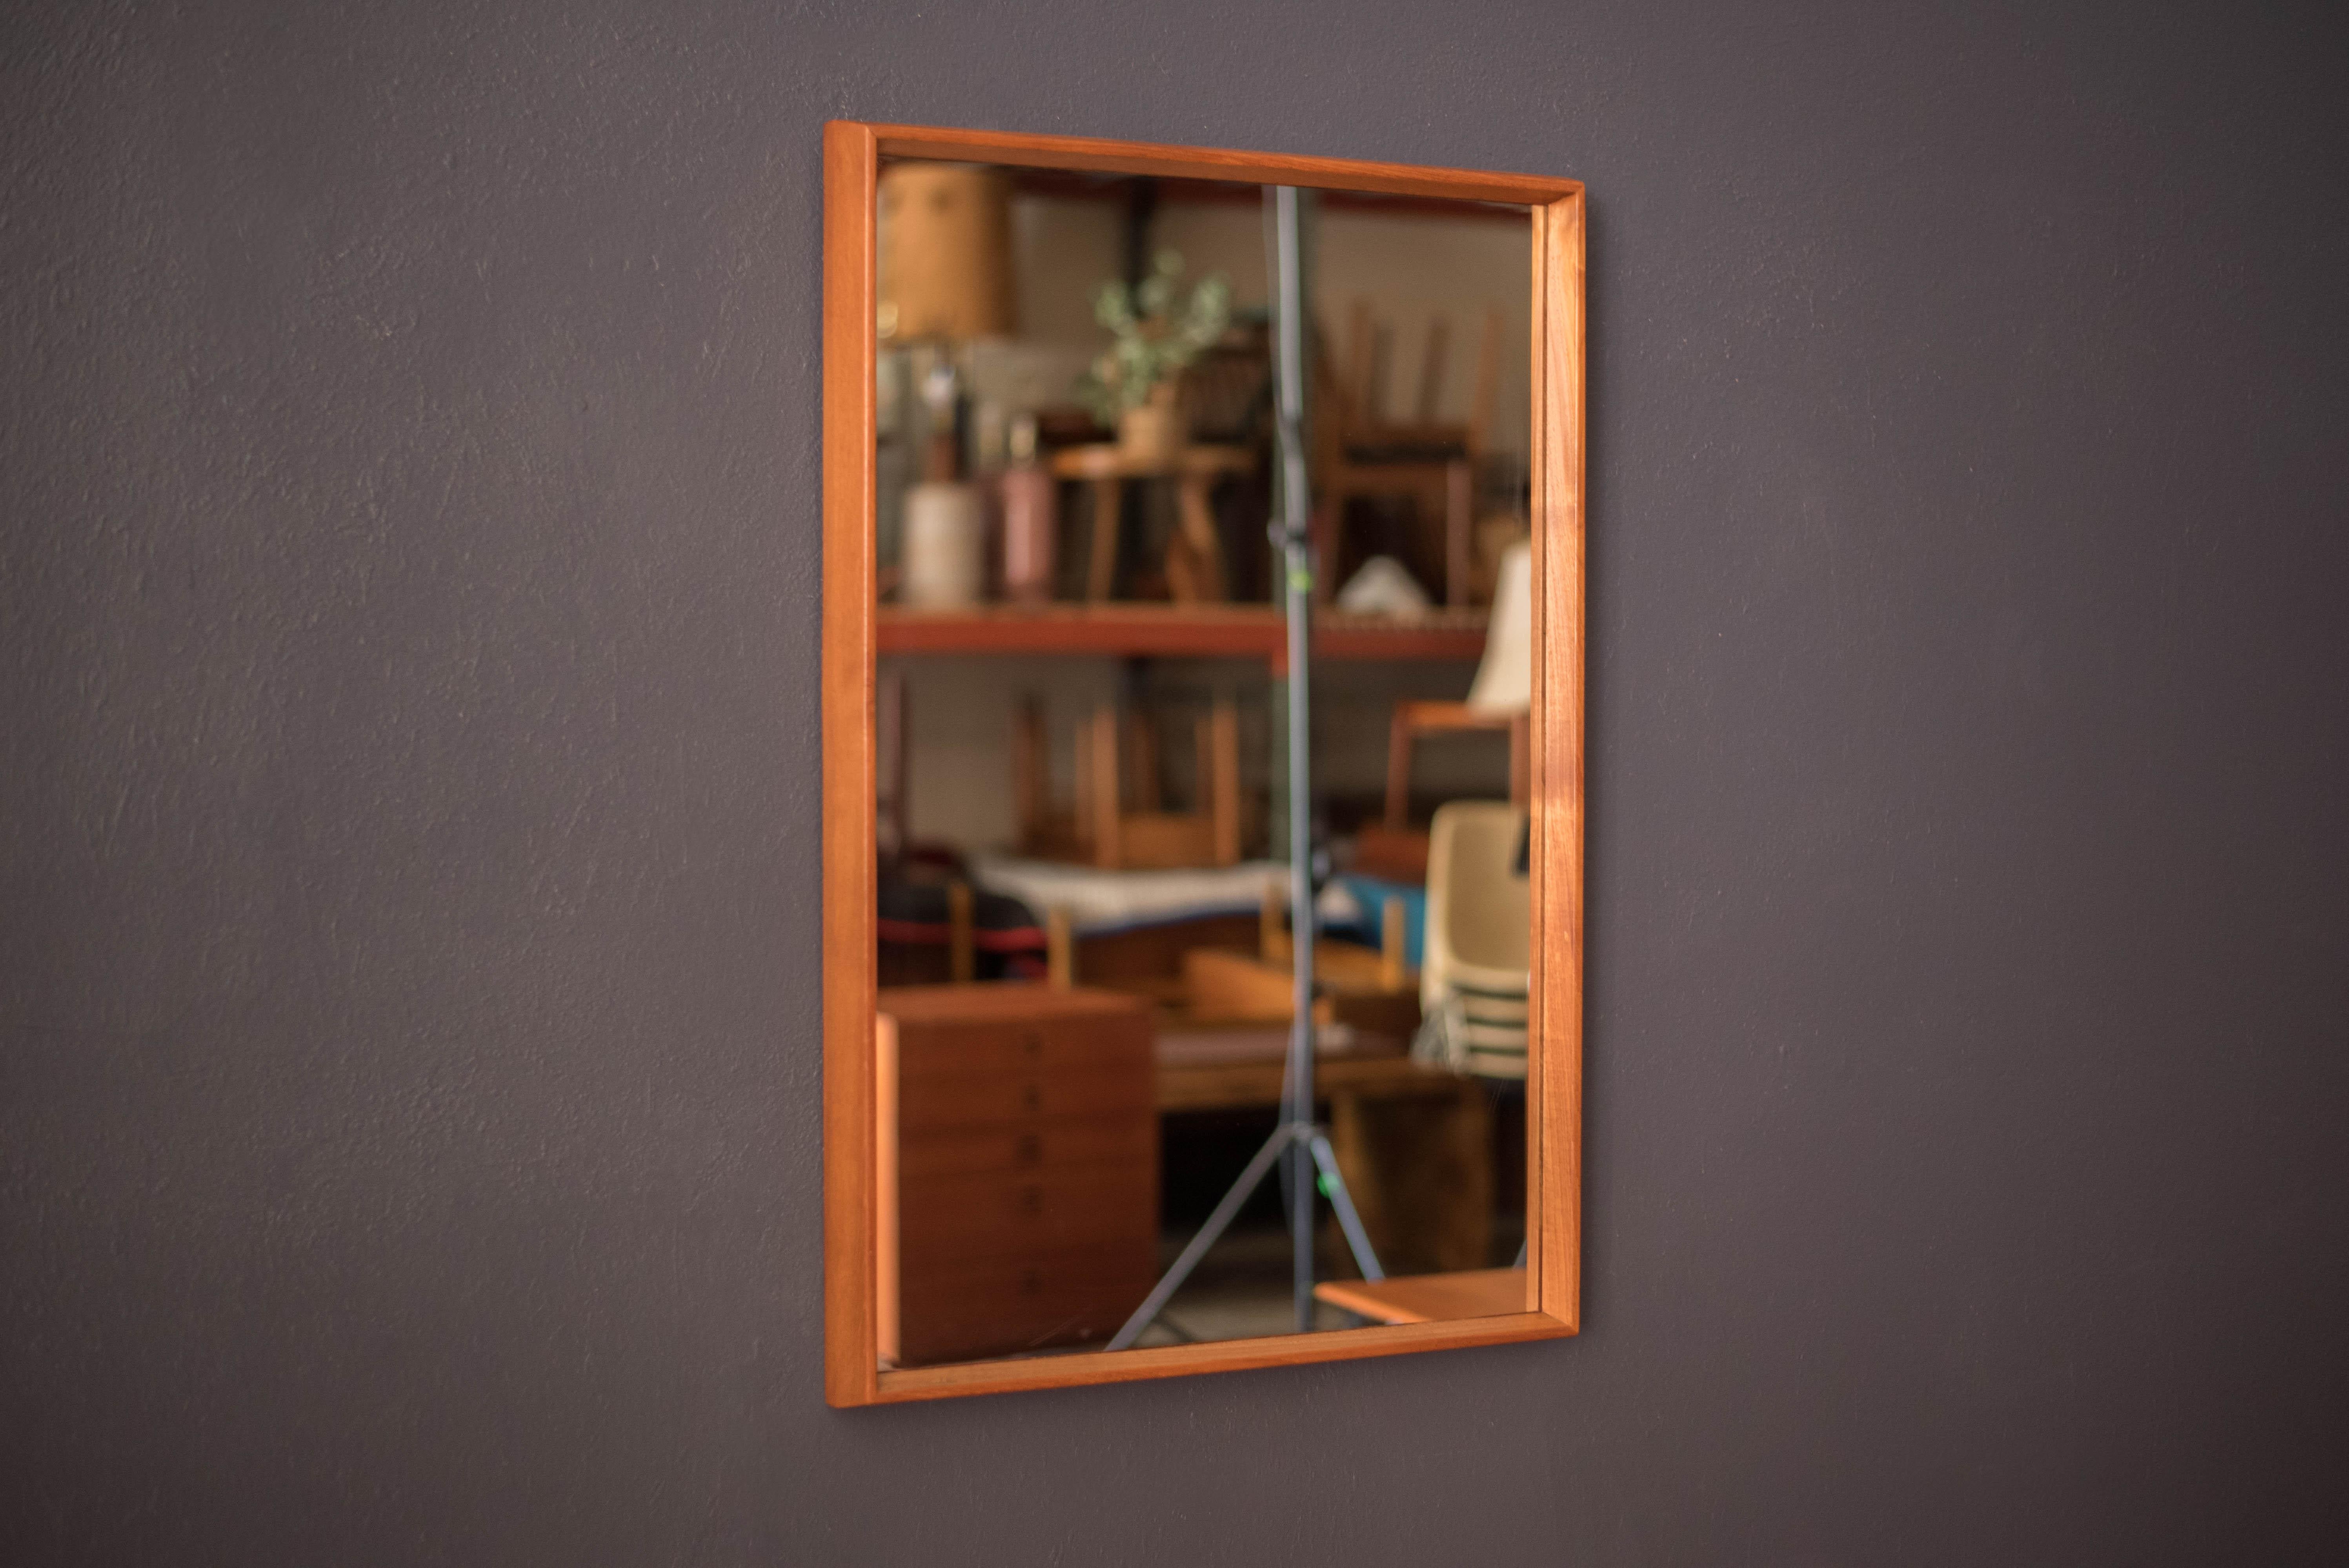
<point>1085,1043</point>
<point>983,1099</point>
<point>960,1218</point>
<point>1010,1306</point>
<point>1028,1146</point>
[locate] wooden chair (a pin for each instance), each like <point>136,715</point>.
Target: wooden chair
<point>1374,991</point>
<point>1359,453</point>
<point>1499,699</point>
<point>1415,719</point>
<point>1116,820</point>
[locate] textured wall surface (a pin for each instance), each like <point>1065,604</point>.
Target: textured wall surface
<point>407,826</point>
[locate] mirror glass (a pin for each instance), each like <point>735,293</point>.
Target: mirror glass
<point>1086,947</point>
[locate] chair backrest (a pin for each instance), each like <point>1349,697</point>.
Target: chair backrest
<point>1226,391</point>
<point>1479,906</point>
<point>1349,407</point>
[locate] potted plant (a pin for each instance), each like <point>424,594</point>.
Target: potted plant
<point>1132,384</point>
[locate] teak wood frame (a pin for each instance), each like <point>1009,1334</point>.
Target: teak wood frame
<point>852,154</point>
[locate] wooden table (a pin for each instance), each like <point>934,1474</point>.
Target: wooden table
<point>1255,1080</point>
<point>1194,556</point>
<point>1415,1145</point>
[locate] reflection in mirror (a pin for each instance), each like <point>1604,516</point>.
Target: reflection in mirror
<point>1086,943</point>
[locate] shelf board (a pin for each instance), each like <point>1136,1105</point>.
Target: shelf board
<point>1205,632</point>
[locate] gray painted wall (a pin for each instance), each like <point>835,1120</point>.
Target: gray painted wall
<point>408,1110</point>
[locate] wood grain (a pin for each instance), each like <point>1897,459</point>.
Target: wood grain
<point>887,1166</point>
<point>1215,163</point>
<point>1139,631</point>
<point>1541,819</point>
<point>1554,1086</point>
<point>851,1160</point>
<point>957,1313</point>
<point>1024,1157</point>
<point>1108,460</point>
<point>852,155</point>
<point>1222,1356</point>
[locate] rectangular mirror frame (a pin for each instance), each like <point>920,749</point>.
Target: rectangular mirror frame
<point>853,152</point>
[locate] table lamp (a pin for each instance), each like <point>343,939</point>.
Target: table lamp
<point>946,278</point>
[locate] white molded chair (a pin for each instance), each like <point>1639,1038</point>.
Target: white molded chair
<point>1477,966</point>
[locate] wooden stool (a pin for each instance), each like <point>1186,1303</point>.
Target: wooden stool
<point>1105,828</point>
<point>1358,452</point>
<point>1194,556</point>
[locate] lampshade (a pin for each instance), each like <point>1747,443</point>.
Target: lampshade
<point>946,253</point>
<point>1505,681</point>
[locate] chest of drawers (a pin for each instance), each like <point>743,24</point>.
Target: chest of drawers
<point>1019,1201</point>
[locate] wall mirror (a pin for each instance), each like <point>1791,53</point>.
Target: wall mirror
<point>1202,603</point>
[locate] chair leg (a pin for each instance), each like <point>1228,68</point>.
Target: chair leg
<point>1353,1143</point>
<point>962,945</point>
<point>1081,801</point>
<point>1467,1229</point>
<point>1203,554</point>
<point>890,759</point>
<point>1108,798</point>
<point>1431,367</point>
<point>1219,762</point>
<point>1101,572</point>
<point>1328,523</point>
<point>1031,787</point>
<point>1459,512</point>
<point>1488,382</point>
<point>1394,940</point>
<point>1398,815</point>
<point>1361,361</point>
<point>1521,760</point>
<point>1060,951</point>
<point>1141,759</point>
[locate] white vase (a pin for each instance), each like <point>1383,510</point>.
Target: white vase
<point>942,554</point>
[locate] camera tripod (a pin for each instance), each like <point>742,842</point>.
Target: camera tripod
<point>1298,1139</point>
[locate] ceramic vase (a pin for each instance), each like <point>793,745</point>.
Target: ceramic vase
<point>942,555</point>
<point>1155,432</point>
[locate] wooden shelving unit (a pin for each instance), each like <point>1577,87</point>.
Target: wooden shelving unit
<point>1211,631</point>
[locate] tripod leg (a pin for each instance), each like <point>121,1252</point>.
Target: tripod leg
<point>1334,1185</point>
<point>1282,1139</point>
<point>1301,1228</point>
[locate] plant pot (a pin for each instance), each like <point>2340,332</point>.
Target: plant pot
<point>1156,431</point>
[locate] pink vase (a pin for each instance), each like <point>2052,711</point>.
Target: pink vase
<point>1032,522</point>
